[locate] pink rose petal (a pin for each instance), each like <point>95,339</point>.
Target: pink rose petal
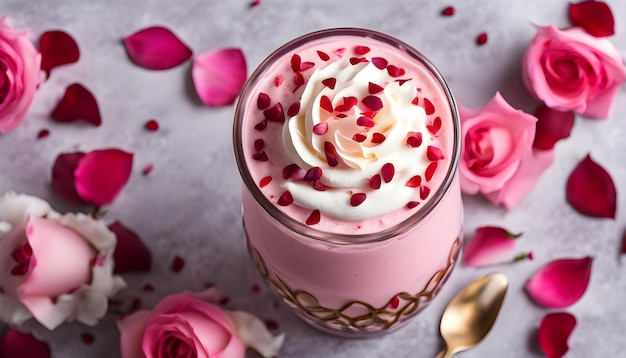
<point>560,283</point>
<point>57,48</point>
<point>17,344</point>
<point>490,245</point>
<point>77,103</point>
<point>101,175</point>
<point>591,191</point>
<point>156,48</point>
<point>594,16</point>
<point>553,333</point>
<point>63,177</point>
<point>552,126</point>
<point>219,76</point>
<point>130,255</point>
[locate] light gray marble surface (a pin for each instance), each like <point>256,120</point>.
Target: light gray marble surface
<point>190,204</point>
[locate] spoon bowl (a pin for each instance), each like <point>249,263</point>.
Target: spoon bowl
<point>472,312</point>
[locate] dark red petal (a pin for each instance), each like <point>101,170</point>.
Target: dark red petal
<point>591,191</point>
<point>17,344</point>
<point>57,48</point>
<point>314,218</point>
<point>357,199</point>
<point>102,174</point>
<point>375,181</point>
<point>178,264</point>
<point>332,157</point>
<point>594,16</point>
<point>481,39</point>
<point>77,103</point>
<point>263,101</point>
<point>285,199</point>
<point>373,88</point>
<point>130,255</point>
<point>313,174</point>
<point>388,172</point>
<point>553,333</point>
<point>448,11</point>
<point>152,125</point>
<point>552,126</point>
<point>560,283</point>
<point>63,182</point>
<point>323,56</point>
<point>156,48</point>
<point>624,243</point>
<point>43,134</point>
<point>379,62</point>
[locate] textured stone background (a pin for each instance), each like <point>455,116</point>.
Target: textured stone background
<point>190,204</point>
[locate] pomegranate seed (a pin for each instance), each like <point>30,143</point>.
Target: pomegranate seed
<point>435,126</point>
<point>365,122</point>
<point>330,82</point>
<point>271,324</point>
<point>87,338</point>
<point>261,157</point>
<point>152,125</point>
<point>395,302</point>
<point>296,61</point>
<point>379,62</point>
<point>326,104</point>
<point>259,144</point>
<point>357,60</point>
<point>388,171</point>
<point>278,80</point>
<point>323,56</point>
<point>378,138</point>
<point>314,218</point>
<point>434,153</point>
<point>428,107</point>
<point>263,101</point>
<point>424,191</point>
<point>361,50</point>
<point>306,65</point>
<point>43,134</point>
<point>481,39</point>
<point>275,113</point>
<point>332,158</point>
<point>255,288</point>
<point>395,71</point>
<point>348,103</point>
<point>293,110</point>
<point>313,174</point>
<point>357,199</point>
<point>430,171</point>
<point>285,199</point>
<point>372,102</point>
<point>375,181</point>
<point>148,287</point>
<point>317,185</point>
<point>320,128</point>
<point>373,88</point>
<point>414,182</point>
<point>359,138</point>
<point>178,264</point>
<point>265,181</point>
<point>261,125</point>
<point>448,11</point>
<point>414,139</point>
<point>412,204</point>
<point>147,169</point>
<point>289,170</point>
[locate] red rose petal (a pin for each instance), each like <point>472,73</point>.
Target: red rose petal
<point>57,48</point>
<point>435,126</point>
<point>373,88</point>
<point>594,16</point>
<point>624,243</point>
<point>414,182</point>
<point>77,103</point>
<point>285,199</point>
<point>294,109</point>
<point>414,139</point>
<point>434,153</point>
<point>489,246</point>
<point>320,128</point>
<point>424,192</point>
<point>275,113</point>
<point>17,344</point>
<point>263,101</point>
<point>357,199</point>
<point>365,122</point>
<point>323,55</point>
<point>131,255</point>
<point>429,107</point>
<point>591,191</point>
<point>326,104</point>
<point>481,39</point>
<point>395,71</point>
<point>448,11</point>
<point>552,126</point>
<point>152,125</point>
<point>101,175</point>
<point>314,218</point>
<point>63,182</point>
<point>332,157</point>
<point>43,134</point>
<point>412,204</point>
<point>375,181</point>
<point>313,174</point>
<point>359,138</point>
<point>330,82</point>
<point>560,283</point>
<point>430,171</point>
<point>218,76</point>
<point>265,181</point>
<point>178,264</point>
<point>553,333</point>
<point>379,62</point>
<point>388,171</point>
<point>156,48</point>
<point>378,138</point>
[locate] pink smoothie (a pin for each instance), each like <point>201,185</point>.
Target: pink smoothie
<point>347,144</point>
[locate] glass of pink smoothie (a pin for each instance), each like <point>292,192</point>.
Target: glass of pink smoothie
<point>348,142</point>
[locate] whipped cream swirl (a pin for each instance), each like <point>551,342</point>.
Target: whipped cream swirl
<point>353,119</point>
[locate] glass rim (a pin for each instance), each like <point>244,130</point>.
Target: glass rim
<point>309,231</point>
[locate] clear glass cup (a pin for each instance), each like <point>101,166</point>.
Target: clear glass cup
<point>349,283</point>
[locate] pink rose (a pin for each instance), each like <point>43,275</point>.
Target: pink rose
<point>187,324</point>
<point>53,267</point>
<point>19,75</point>
<point>572,70</point>
<point>495,140</point>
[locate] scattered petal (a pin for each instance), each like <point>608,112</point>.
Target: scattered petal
<point>147,169</point>
<point>255,288</point>
<point>553,333</point>
<point>156,48</point>
<point>624,243</point>
<point>131,255</point>
<point>77,103</point>
<point>43,134</point>
<point>57,48</point>
<point>591,191</point>
<point>102,174</point>
<point>87,338</point>
<point>152,125</point>
<point>314,218</point>
<point>357,199</point>
<point>17,344</point>
<point>448,11</point>
<point>594,16</point>
<point>219,75</point>
<point>490,246</point>
<point>271,324</point>
<point>255,3</point>
<point>552,126</point>
<point>481,39</point>
<point>560,283</point>
<point>63,182</point>
<point>178,264</point>
<point>373,103</point>
<point>285,199</point>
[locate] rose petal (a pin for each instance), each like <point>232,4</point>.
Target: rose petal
<point>552,126</point>
<point>560,283</point>
<point>254,333</point>
<point>156,48</point>
<point>63,182</point>
<point>594,16</point>
<point>57,48</point>
<point>130,255</point>
<point>101,175</point>
<point>591,191</point>
<point>490,245</point>
<point>219,76</point>
<point>17,344</point>
<point>77,103</point>
<point>553,333</point>
<point>624,243</point>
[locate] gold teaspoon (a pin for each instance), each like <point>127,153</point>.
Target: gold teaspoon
<point>471,313</point>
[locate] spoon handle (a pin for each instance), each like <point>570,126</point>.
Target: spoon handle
<point>445,353</point>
